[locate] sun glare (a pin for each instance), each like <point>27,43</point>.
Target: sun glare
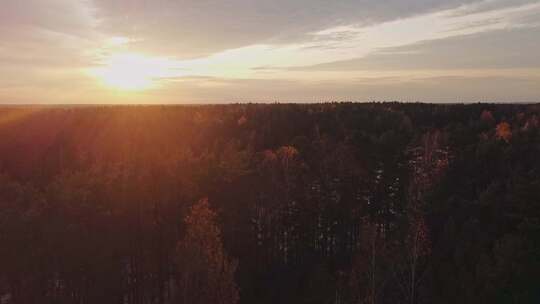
<point>132,72</point>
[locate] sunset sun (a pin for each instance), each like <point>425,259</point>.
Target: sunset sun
<point>132,72</point>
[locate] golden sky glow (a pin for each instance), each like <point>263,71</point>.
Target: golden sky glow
<point>97,51</point>
<point>127,71</point>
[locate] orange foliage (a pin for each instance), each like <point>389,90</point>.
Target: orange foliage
<point>287,153</point>
<point>269,157</point>
<point>242,120</point>
<point>504,131</point>
<point>203,261</point>
<point>487,117</point>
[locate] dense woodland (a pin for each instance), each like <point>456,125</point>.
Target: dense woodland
<point>323,203</point>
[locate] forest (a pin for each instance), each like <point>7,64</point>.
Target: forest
<point>338,203</point>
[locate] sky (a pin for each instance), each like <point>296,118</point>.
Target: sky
<point>219,51</point>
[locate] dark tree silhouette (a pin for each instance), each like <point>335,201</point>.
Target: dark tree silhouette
<point>321,203</point>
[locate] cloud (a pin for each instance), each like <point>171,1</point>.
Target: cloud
<point>489,5</point>
<point>195,28</point>
<point>427,41</point>
<point>62,16</point>
<point>44,46</point>
<point>45,33</point>
<point>498,49</point>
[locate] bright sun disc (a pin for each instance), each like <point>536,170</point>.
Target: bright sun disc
<point>132,71</point>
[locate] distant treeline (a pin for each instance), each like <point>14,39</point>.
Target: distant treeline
<point>324,203</point>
